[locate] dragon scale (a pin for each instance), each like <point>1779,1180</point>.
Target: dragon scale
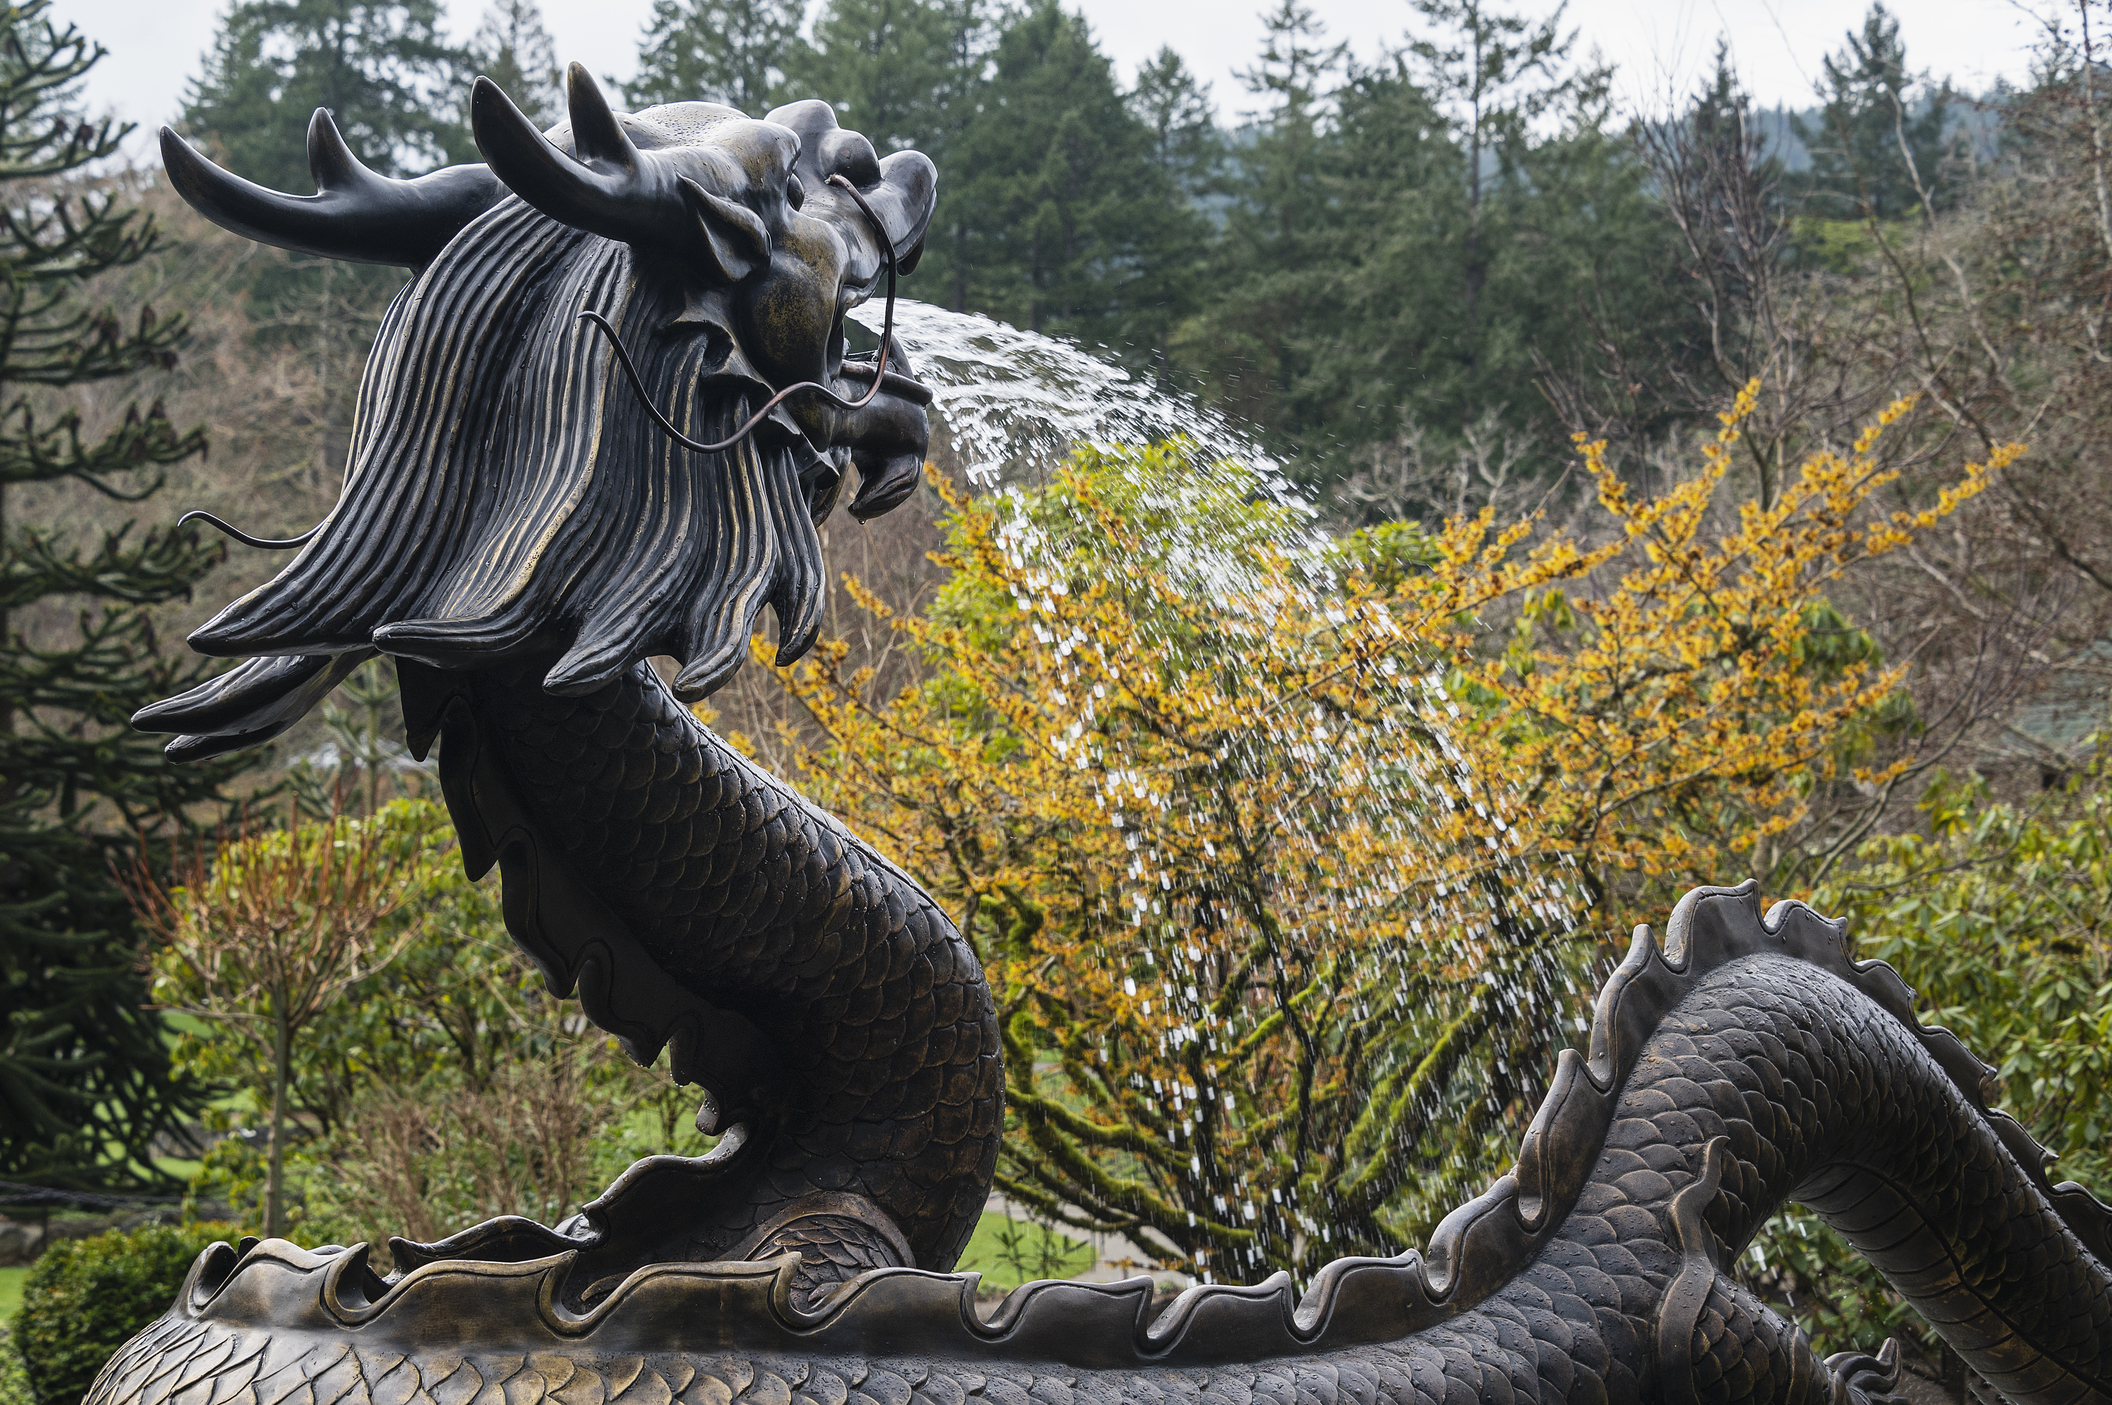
<point>531,513</point>
<point>849,1032</point>
<point>1746,1062</point>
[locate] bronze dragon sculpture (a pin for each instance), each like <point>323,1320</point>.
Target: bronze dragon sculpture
<point>520,538</point>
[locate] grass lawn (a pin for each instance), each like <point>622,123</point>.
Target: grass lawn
<point>1009,1252</point>
<point>11,1291</point>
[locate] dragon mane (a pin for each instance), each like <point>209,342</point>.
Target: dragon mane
<point>504,497</point>
<point>507,498</point>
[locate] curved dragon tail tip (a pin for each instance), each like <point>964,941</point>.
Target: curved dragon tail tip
<point>1863,1379</point>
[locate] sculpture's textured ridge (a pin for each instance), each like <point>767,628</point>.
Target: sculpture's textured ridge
<point>1741,1063</point>
<point>850,1032</point>
<point>521,536</point>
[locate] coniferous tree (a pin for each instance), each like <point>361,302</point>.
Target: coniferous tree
<point>1183,142</point>
<point>1176,112</point>
<point>1416,248</point>
<point>909,73</point>
<point>729,51</point>
<point>1880,132</point>
<point>383,68</point>
<point>894,68</point>
<point>1387,270</point>
<point>1497,72</point>
<point>1064,202</point>
<point>1719,187</point>
<point>85,1087</point>
<point>1296,81</point>
<point>512,48</point>
<point>398,92</point>
<point>1252,343</point>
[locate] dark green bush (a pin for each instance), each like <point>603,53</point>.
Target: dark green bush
<point>85,1298</point>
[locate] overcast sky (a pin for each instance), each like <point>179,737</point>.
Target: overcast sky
<point>1658,45</point>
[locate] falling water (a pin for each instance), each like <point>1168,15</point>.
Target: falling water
<point>1015,402</point>
<point>1014,405</point>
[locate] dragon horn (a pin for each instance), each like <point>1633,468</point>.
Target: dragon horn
<point>597,134</point>
<point>355,215</point>
<point>611,188</point>
<point>606,203</point>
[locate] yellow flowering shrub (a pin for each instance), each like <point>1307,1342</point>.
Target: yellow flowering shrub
<point>1285,870</point>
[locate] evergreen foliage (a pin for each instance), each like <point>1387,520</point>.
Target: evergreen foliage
<point>1175,110</point>
<point>394,85</point>
<point>1875,110</point>
<point>1495,73</point>
<point>729,51</point>
<point>398,91</point>
<point>1267,289</point>
<point>1416,245</point>
<point>513,49</point>
<point>894,68</point>
<point>1184,144</point>
<point>1421,244</point>
<point>85,1299</point>
<point>1067,214</point>
<point>85,1087</point>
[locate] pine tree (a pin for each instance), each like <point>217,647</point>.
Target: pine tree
<point>1063,201</point>
<point>889,67</point>
<point>399,93</point>
<point>1878,141</point>
<point>729,51</point>
<point>1183,142</point>
<point>1175,110</point>
<point>1498,72</point>
<point>396,88</point>
<point>85,1087</point>
<point>1415,248</point>
<point>1296,81</point>
<point>1253,342</point>
<point>909,73</point>
<point>512,48</point>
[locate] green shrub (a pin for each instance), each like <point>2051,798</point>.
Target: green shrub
<point>86,1298</point>
<point>14,1386</point>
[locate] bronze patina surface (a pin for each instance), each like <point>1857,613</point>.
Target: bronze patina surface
<point>520,532</point>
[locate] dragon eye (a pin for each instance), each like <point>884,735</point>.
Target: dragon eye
<point>795,191</point>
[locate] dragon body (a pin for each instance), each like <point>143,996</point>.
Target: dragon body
<point>522,535</point>
<point>1745,1062</point>
<point>839,1024</point>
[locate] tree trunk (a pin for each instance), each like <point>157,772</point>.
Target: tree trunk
<point>374,744</point>
<point>275,1180</point>
<point>1474,270</point>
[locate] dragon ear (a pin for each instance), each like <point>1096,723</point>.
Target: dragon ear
<point>607,186</point>
<point>734,237</point>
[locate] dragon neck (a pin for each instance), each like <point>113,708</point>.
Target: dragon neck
<point>697,903</point>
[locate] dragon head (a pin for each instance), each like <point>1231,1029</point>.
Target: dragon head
<point>509,494</point>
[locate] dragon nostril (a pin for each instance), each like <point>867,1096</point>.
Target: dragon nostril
<point>795,192</point>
